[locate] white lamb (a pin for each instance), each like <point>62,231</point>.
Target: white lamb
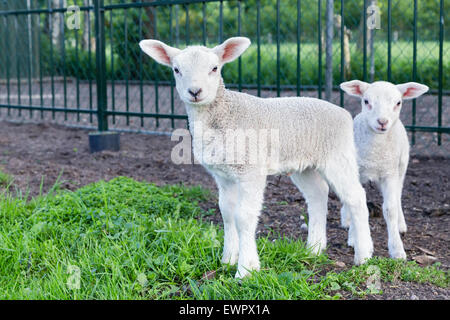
<point>315,146</point>
<point>383,149</point>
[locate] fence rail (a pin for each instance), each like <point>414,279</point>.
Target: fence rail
<point>96,74</point>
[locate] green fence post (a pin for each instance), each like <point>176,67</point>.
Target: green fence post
<point>102,116</point>
<point>298,46</point>
<point>441,67</point>
<point>414,72</point>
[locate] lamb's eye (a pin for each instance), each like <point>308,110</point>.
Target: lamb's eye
<point>399,103</point>
<point>176,70</point>
<point>214,69</point>
<point>366,101</point>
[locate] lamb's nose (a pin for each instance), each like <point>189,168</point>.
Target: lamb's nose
<point>382,121</point>
<point>194,91</point>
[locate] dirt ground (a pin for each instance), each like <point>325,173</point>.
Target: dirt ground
<point>163,99</point>
<point>32,152</point>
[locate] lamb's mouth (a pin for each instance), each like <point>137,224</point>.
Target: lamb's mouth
<point>380,130</point>
<point>196,101</point>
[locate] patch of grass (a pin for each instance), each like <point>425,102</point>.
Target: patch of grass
<point>124,239</point>
<point>5,179</point>
<point>362,280</point>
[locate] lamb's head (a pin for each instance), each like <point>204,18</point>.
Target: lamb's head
<point>197,68</point>
<point>381,101</point>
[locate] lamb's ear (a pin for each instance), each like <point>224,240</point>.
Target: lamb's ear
<point>411,90</point>
<point>354,88</point>
<point>231,49</point>
<point>159,51</point>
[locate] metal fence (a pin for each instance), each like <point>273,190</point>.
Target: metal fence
<point>78,62</point>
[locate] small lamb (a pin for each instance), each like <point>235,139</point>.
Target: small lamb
<point>315,147</point>
<point>383,149</point>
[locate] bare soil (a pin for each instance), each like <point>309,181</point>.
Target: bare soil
<point>35,153</point>
<point>162,99</point>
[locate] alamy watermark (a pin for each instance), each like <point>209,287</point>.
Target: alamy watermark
<point>373,282</point>
<point>373,20</point>
<point>74,279</point>
<point>73,18</point>
<point>259,147</point>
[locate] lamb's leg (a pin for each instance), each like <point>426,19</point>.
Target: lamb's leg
<point>342,176</point>
<point>346,223</point>
<point>228,198</point>
<point>315,190</point>
<point>345,217</point>
<point>401,217</point>
<point>389,189</point>
<point>251,194</point>
<point>402,228</point>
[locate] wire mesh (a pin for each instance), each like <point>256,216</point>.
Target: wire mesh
<point>49,71</point>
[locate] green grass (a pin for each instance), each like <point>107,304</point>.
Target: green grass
<point>124,239</point>
<point>5,179</point>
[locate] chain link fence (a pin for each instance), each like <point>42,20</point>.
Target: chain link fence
<point>77,62</point>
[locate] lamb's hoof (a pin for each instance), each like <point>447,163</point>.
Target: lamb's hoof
<point>230,259</point>
<point>359,260</point>
<point>400,254</point>
<point>363,254</point>
<point>245,271</point>
<point>402,228</point>
<point>317,248</point>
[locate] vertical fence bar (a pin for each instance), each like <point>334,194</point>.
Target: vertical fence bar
<point>258,42</point>
<point>239,60</point>
<point>101,65</point>
<point>63,57</point>
<point>90,65</point>
<point>77,58</point>
<point>127,67</point>
<point>204,32</point>
<point>364,41</point>
<point>319,40</point>
<point>172,101</point>
<point>30,55</point>
<point>441,67</point>
<point>52,61</point>
<point>41,87</point>
<point>155,28</point>
<point>414,71</point>
<point>186,9</point>
<point>221,21</point>
<point>8,89</point>
<point>389,39</point>
<point>113,75</point>
<point>16,28</point>
<point>298,46</point>
<point>278,49</point>
<point>63,49</point>
<point>141,88</point>
<point>329,49</point>
<point>341,76</point>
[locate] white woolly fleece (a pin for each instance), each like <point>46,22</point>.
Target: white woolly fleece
<point>313,144</point>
